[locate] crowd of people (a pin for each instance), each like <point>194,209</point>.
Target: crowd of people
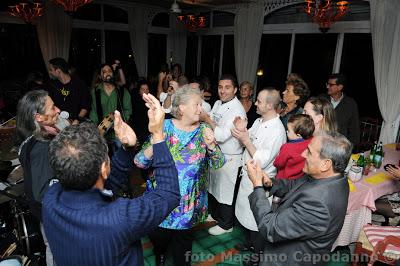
<point>273,166</point>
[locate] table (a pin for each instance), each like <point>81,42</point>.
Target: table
<point>362,197</point>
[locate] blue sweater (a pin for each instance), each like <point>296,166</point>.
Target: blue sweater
<point>84,228</point>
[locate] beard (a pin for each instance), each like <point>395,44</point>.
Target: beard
<point>108,79</point>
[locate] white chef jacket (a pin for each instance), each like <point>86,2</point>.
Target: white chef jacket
<point>267,137</point>
<point>222,181</point>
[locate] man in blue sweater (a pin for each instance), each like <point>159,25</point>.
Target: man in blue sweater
<point>82,225</point>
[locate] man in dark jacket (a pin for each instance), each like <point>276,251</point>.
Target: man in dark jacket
<point>82,225</point>
<point>310,215</point>
<point>346,109</point>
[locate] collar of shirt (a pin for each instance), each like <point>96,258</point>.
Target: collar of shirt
<point>335,103</point>
<point>296,140</point>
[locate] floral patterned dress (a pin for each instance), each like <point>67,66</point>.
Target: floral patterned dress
<point>192,160</point>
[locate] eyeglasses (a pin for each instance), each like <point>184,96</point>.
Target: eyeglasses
<point>330,84</point>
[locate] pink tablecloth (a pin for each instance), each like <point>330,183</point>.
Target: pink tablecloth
<point>362,199</point>
<point>366,193</point>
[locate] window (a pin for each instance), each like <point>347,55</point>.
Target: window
<point>191,55</point>
<point>358,66</point>
<point>19,51</point>
<point>274,60</point>
<point>313,59</point>
<point>228,60</point>
<point>210,53</point>
<point>157,53</point>
<point>85,52</point>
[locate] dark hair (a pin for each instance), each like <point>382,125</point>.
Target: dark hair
<point>34,76</point>
<point>300,88</point>
<point>76,155</point>
<point>302,125</point>
<point>31,103</point>
<point>60,63</point>
<point>340,78</point>
<point>178,66</point>
<point>198,80</point>
<point>336,147</point>
<point>229,77</point>
<point>142,81</point>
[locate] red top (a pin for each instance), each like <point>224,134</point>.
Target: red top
<point>289,162</point>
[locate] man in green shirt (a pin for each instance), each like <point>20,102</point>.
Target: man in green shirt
<point>108,97</point>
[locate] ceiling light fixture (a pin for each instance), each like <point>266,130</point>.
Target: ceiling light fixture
<point>27,11</point>
<point>325,12</point>
<point>192,22</point>
<point>70,6</point>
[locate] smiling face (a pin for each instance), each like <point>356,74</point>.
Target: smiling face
<point>314,164</point>
<point>261,102</point>
<point>106,73</point>
<point>226,90</point>
<point>192,109</point>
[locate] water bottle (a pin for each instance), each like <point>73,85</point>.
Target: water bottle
<point>378,156</point>
<point>62,121</point>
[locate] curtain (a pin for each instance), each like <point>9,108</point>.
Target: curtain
<point>177,39</point>
<point>249,22</point>
<point>138,28</point>
<point>385,31</point>
<point>54,32</point>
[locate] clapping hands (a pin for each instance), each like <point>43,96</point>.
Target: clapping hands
<point>256,175</point>
<point>124,132</point>
<point>240,123</point>
<point>209,138</point>
<point>155,114</point>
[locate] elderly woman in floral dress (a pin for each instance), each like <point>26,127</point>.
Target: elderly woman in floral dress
<point>193,147</point>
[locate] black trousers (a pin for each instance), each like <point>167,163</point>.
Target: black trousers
<point>254,239</point>
<point>224,214</point>
<point>178,241</point>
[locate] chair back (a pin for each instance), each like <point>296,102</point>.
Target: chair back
<point>370,129</point>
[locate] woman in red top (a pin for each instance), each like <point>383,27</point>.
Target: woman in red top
<point>289,162</point>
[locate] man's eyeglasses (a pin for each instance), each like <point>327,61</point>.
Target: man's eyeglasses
<point>330,84</point>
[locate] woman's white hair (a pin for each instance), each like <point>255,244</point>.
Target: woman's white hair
<point>181,97</point>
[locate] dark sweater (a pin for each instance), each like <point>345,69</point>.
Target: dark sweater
<point>84,228</point>
<point>37,172</point>
<point>348,120</point>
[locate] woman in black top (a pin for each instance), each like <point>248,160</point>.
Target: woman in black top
<point>246,94</point>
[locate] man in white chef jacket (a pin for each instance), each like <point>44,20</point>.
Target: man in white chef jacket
<point>262,143</point>
<point>222,181</point>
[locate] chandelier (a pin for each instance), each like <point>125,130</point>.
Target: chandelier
<point>325,12</point>
<point>70,6</point>
<point>192,22</point>
<point>27,11</point>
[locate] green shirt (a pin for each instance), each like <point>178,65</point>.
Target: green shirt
<point>109,104</point>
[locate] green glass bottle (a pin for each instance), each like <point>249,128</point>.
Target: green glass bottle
<point>372,152</point>
<point>361,160</point>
